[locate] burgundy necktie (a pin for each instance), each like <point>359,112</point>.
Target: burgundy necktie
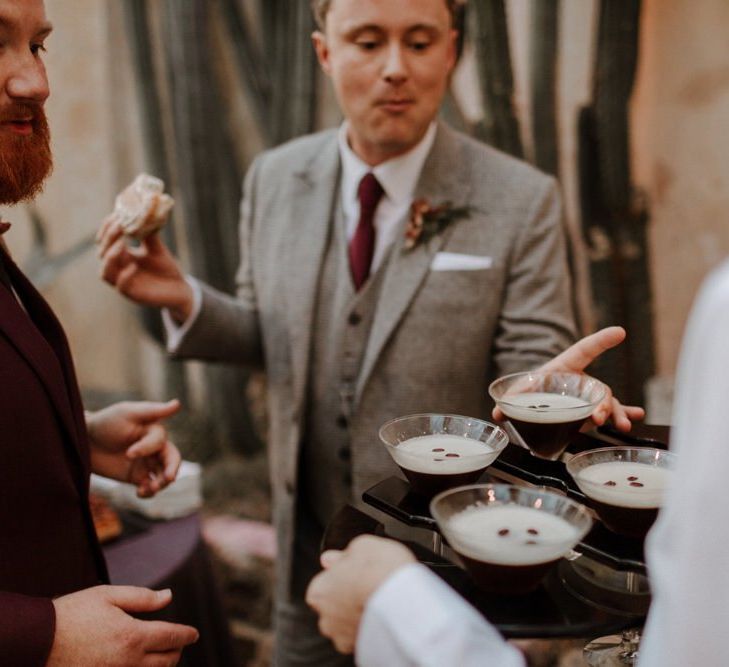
<point>362,245</point>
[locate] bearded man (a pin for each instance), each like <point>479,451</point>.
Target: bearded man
<point>54,606</point>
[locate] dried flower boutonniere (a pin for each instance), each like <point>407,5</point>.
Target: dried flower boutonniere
<point>427,221</point>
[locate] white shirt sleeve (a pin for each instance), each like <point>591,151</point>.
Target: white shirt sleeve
<point>176,332</point>
<point>687,551</point>
<point>416,620</point>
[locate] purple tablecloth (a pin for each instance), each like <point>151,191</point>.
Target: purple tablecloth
<point>171,554</point>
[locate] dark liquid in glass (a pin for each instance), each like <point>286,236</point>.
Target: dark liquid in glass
<point>507,579</point>
<point>630,521</point>
<point>429,485</point>
<point>547,440</point>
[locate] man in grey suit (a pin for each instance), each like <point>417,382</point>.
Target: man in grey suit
<point>389,267</point>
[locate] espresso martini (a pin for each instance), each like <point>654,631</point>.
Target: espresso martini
<point>546,421</point>
<point>625,494</point>
<point>509,548</point>
<point>436,462</point>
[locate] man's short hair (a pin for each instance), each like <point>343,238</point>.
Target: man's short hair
<point>321,7</point>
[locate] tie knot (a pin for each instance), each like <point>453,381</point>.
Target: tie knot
<point>369,192</point>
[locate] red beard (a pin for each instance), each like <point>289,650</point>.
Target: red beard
<point>25,161</point>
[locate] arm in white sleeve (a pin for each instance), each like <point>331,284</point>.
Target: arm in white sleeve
<point>687,549</point>
<point>175,332</point>
<point>416,620</point>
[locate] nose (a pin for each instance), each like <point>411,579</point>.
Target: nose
<point>395,69</point>
<point>28,80</point>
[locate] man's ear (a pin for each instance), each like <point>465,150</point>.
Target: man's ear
<point>319,40</point>
<point>453,50</point>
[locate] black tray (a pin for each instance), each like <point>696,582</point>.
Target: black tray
<point>393,496</point>
<point>552,611</point>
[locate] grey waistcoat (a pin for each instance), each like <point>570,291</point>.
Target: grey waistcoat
<point>342,322</point>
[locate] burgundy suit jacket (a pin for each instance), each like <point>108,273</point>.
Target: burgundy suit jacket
<point>48,546</point>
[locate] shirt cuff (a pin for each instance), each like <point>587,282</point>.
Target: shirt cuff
<point>414,618</point>
<point>175,332</point>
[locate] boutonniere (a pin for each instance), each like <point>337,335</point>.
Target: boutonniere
<point>426,221</point>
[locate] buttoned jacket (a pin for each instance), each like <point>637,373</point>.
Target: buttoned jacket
<point>438,336</point>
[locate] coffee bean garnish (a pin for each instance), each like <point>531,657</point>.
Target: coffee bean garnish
<point>451,455</point>
<point>632,478</point>
<point>543,406</point>
<point>529,542</point>
<point>533,407</point>
<point>438,459</point>
<point>636,484</point>
<point>438,449</point>
<point>532,531</point>
<point>503,532</point>
<point>610,483</point>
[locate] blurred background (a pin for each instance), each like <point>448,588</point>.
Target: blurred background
<point>627,102</point>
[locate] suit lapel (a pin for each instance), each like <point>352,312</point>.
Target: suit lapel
<point>47,355</point>
<point>442,180</point>
<point>313,199</point>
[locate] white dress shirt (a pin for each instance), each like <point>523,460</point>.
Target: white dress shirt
<point>398,178</point>
<point>415,620</point>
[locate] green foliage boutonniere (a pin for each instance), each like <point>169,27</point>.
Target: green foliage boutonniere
<point>426,221</point>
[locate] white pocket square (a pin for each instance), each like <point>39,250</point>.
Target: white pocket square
<point>453,261</point>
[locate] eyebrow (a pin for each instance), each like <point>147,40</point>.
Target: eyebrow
<point>43,30</point>
<point>364,27</point>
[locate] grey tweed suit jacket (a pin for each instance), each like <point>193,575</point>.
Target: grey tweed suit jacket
<point>437,338</point>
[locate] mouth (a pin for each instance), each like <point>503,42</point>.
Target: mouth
<point>396,105</point>
<point>22,126</point>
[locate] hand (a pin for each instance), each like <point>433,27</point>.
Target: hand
<point>339,593</point>
<point>147,274</point>
<point>93,627</point>
<point>128,443</point>
<point>578,357</point>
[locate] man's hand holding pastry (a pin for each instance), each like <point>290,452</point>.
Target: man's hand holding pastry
<point>147,272</point>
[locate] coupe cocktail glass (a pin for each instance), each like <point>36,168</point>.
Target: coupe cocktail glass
<point>437,452</point>
<point>625,485</point>
<point>547,408</point>
<point>509,537</point>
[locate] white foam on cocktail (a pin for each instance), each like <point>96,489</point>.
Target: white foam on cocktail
<point>545,408</point>
<point>417,454</point>
<point>592,481</point>
<point>474,532</point>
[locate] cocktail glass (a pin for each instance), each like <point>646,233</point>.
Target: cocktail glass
<point>547,408</point>
<point>437,452</point>
<point>625,487</point>
<point>509,537</point>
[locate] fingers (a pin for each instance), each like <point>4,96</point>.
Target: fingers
<point>152,411</point>
<point>580,355</point>
<point>115,258</point>
<point>328,558</point>
<point>108,233</point>
<point>343,640</point>
<point>171,461</point>
<point>161,636</point>
<point>134,599</point>
<point>152,442</point>
<point>623,416</point>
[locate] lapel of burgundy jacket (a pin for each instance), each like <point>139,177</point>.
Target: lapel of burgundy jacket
<point>49,356</point>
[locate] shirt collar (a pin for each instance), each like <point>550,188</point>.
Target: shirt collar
<point>398,176</point>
